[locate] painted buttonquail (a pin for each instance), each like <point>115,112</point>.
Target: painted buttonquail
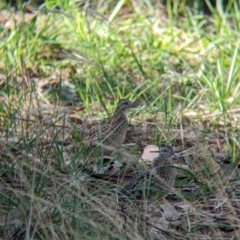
<point>160,177</point>
<point>111,133</point>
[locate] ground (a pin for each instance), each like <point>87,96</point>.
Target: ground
<point>65,66</point>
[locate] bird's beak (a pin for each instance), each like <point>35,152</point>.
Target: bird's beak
<point>136,104</point>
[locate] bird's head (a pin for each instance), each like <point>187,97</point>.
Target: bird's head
<point>125,104</point>
<point>165,151</point>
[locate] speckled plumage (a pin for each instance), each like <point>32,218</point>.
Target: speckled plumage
<point>110,134</point>
<point>160,177</point>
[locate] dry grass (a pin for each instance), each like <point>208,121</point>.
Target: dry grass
<point>51,188</point>
<point>47,192</point>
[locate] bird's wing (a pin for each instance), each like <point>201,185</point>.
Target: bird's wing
<point>114,120</point>
<point>99,131</point>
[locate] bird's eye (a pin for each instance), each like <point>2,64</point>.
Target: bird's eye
<point>164,150</point>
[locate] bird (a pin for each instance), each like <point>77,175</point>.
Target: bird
<point>160,177</point>
<point>111,133</point>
